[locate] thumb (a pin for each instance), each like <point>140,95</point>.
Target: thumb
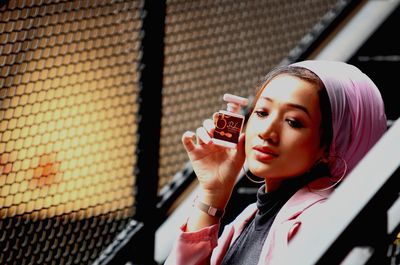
<point>240,148</point>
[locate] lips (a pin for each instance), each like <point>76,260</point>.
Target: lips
<point>264,153</point>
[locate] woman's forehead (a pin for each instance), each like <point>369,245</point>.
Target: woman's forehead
<point>287,88</point>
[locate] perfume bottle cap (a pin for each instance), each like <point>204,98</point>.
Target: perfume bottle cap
<point>234,102</point>
<point>236,99</point>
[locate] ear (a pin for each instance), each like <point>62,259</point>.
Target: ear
<point>325,153</point>
<point>322,155</point>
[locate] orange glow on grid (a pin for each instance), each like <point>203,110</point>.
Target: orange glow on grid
<point>67,150</point>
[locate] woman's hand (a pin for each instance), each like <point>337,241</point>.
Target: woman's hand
<point>216,167</point>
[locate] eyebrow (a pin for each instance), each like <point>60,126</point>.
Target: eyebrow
<point>292,105</point>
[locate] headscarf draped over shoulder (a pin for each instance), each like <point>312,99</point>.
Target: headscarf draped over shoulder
<point>358,113</point>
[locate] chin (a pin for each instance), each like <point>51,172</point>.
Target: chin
<point>259,169</point>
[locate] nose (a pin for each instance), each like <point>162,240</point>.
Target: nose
<point>269,132</point>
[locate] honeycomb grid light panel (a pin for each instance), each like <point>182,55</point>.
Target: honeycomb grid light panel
<point>217,47</point>
<point>68,127</point>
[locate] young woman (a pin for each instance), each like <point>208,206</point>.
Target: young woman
<point>311,122</point>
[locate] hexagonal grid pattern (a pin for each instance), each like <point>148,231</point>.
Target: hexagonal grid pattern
<point>69,102</point>
<point>68,127</point>
<point>216,47</point>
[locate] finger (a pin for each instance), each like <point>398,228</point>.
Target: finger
<point>187,140</point>
<point>208,124</point>
<point>202,136</point>
<point>241,143</point>
<point>240,150</point>
<point>215,116</point>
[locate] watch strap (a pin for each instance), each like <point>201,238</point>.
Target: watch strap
<point>208,209</point>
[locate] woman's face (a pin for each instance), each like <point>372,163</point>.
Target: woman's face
<point>283,131</point>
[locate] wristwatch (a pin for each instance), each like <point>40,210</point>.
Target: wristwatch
<point>209,209</point>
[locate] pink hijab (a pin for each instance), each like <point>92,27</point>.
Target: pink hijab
<point>358,114</point>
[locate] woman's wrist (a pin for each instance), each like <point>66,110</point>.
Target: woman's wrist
<point>208,209</point>
<point>217,200</point>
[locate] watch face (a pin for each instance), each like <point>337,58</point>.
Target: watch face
<point>209,209</point>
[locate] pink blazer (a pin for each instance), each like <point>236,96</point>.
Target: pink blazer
<point>192,248</point>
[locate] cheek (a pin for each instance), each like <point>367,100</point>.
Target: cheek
<point>252,128</point>
<point>247,142</point>
<point>250,133</point>
<point>305,150</point>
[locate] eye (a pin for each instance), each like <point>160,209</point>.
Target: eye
<point>295,123</point>
<point>261,113</point>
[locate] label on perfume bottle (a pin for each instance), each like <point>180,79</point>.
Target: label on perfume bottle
<point>228,127</point>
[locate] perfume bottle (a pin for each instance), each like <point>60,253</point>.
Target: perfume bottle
<point>229,123</point>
